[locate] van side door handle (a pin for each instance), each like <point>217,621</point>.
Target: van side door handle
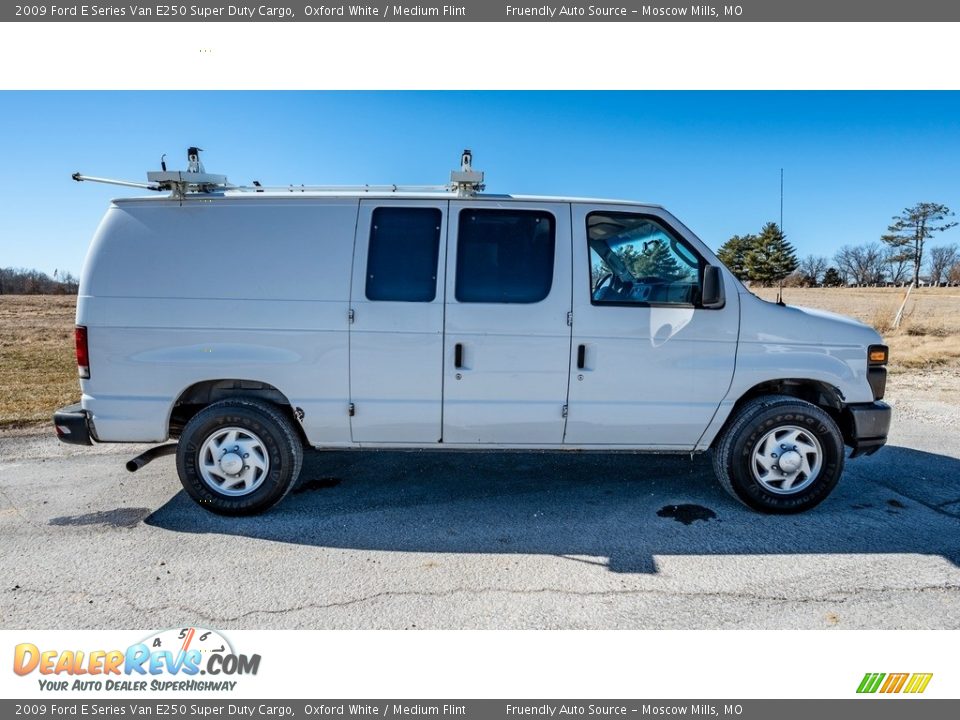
<point>458,355</point>
<point>581,357</point>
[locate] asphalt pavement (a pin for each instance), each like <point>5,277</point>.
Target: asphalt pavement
<point>478,540</point>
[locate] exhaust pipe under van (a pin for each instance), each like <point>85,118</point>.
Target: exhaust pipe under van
<point>152,454</point>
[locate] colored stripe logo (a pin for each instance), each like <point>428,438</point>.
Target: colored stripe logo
<point>913,683</point>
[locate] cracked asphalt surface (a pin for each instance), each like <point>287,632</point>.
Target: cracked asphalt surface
<point>469,540</point>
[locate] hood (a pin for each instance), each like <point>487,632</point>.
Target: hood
<point>794,324</point>
<point>827,315</point>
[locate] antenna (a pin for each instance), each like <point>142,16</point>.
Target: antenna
<point>781,199</point>
<point>780,286</point>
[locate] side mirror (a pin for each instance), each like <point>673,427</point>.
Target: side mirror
<point>712,296</point>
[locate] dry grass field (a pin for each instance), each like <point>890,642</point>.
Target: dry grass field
<point>928,336</point>
<point>38,374</point>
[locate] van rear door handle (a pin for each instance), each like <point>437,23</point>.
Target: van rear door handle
<point>581,356</point>
<point>458,355</point>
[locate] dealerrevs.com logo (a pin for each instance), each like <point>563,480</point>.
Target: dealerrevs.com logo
<point>170,660</point>
<point>910,683</point>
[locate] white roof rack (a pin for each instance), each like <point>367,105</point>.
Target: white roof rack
<point>194,180</point>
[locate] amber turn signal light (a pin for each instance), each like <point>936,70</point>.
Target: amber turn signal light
<point>878,354</point>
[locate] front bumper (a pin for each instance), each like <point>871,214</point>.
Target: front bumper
<point>867,427</point>
<point>72,424</point>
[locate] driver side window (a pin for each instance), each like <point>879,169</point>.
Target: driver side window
<point>635,260</point>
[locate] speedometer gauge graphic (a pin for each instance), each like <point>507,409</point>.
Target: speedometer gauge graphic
<point>181,640</point>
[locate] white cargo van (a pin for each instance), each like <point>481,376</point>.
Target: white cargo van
<point>248,323</point>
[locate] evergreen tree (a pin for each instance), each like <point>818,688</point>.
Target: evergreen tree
<point>733,254</point>
<point>832,278</point>
<point>771,258</point>
<point>655,260</point>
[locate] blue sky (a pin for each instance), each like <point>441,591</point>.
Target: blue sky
<point>851,159</point>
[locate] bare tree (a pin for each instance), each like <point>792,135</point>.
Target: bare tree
<point>70,283</point>
<point>912,228</point>
<point>20,281</point>
<point>812,268</point>
<point>861,264</point>
<point>953,275</point>
<point>897,265</point>
<point>796,279</point>
<point>942,257</point>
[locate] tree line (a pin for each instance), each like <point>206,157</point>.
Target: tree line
<point>20,281</point>
<point>899,257</point>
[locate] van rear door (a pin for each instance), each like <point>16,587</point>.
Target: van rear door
<point>396,337</point>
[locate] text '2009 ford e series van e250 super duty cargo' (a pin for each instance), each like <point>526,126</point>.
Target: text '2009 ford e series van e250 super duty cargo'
<point>249,322</point>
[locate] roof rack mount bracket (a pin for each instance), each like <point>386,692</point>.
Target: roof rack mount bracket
<point>179,183</point>
<point>467,181</point>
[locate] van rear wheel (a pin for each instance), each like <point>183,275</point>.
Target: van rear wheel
<point>239,457</point>
<point>779,455</point>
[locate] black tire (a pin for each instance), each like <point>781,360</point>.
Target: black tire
<point>733,454</point>
<point>275,431</point>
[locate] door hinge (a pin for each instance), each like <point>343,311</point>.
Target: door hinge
<point>351,409</point>
<point>570,318</point>
<point>351,315</point>
<point>563,413</point>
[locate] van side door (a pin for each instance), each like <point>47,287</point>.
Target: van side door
<point>396,333</point>
<point>649,365</point>
<point>507,343</point>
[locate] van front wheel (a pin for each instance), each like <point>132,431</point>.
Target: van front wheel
<point>780,455</point>
<point>239,457</point>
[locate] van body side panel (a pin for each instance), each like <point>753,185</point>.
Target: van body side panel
<point>653,375</point>
<point>233,289</point>
<point>781,342</point>
<point>396,347</point>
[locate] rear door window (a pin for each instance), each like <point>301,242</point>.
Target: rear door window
<point>505,256</point>
<point>403,253</point>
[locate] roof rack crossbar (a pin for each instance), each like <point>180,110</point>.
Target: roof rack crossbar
<point>122,183</point>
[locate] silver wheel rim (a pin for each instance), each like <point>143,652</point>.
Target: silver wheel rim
<point>233,461</point>
<point>787,460</point>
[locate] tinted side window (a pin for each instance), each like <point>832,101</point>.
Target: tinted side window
<point>504,256</point>
<point>635,260</point>
<point>403,252</point>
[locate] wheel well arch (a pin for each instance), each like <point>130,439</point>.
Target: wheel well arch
<point>197,396</point>
<point>817,392</point>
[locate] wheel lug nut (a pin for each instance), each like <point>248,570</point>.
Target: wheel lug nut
<point>246,455</point>
<point>773,455</point>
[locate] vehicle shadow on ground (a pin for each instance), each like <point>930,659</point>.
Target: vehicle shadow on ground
<point>620,510</point>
